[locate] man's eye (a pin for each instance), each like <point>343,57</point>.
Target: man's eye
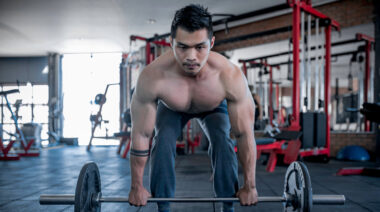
<point>200,47</point>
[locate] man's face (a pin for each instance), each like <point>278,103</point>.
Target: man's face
<point>191,49</point>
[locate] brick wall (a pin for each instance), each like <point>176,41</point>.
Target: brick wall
<point>259,134</point>
<point>346,12</point>
<point>340,140</point>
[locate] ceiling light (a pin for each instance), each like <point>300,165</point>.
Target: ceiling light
<point>151,21</point>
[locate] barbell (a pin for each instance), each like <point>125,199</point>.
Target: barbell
<point>297,195</point>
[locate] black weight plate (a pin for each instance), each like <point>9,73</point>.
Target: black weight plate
<point>88,186</point>
<point>297,186</point>
<point>100,99</point>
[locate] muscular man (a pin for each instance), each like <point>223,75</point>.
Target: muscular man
<point>190,81</point>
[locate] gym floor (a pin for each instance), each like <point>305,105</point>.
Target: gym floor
<point>56,172</point>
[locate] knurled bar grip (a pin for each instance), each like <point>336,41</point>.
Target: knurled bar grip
<point>70,199</point>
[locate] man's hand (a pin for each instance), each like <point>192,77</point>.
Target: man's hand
<point>247,196</point>
<point>138,196</point>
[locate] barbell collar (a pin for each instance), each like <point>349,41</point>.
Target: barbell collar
<point>61,199</point>
<point>329,199</point>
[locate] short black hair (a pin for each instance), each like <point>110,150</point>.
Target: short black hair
<point>192,18</point>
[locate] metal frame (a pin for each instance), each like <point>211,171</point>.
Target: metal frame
<point>4,151</point>
<point>368,46</point>
<point>148,55</point>
<point>312,48</point>
<point>97,122</point>
<point>251,14</point>
<point>305,6</point>
<point>270,67</point>
<point>26,144</point>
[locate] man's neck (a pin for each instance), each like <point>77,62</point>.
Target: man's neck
<point>200,75</point>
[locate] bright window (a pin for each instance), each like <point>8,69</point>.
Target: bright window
<point>85,76</point>
<point>33,107</point>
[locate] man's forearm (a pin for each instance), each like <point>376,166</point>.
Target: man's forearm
<point>139,156</point>
<point>137,170</point>
<point>247,157</point>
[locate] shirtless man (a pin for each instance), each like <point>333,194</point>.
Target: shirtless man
<point>190,81</point>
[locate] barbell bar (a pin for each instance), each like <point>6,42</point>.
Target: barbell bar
<point>69,199</point>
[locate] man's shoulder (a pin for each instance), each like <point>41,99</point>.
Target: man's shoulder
<point>230,75</point>
<point>218,61</point>
<point>159,65</point>
<point>148,82</point>
<point>151,79</point>
<point>226,68</point>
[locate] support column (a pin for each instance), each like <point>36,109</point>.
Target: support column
<point>367,79</point>
<point>148,54</point>
<point>55,94</point>
<point>327,84</point>
<point>123,88</point>
<point>245,69</point>
<point>270,95</point>
<point>377,74</point>
<point>295,125</point>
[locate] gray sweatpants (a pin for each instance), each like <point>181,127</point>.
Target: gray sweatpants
<point>168,128</point>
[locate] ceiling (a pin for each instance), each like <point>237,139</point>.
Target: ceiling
<point>36,27</point>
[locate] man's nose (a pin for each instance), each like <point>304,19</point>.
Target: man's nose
<point>191,55</point>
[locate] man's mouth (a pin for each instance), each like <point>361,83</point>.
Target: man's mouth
<point>191,66</point>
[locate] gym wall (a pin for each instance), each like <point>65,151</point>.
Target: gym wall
<point>23,69</point>
<point>342,139</point>
<point>348,13</point>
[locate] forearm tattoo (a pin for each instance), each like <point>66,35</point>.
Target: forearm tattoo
<point>140,153</point>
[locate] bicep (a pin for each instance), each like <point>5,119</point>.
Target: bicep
<point>240,104</point>
<point>241,115</point>
<point>143,106</point>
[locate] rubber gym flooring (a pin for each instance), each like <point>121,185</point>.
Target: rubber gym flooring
<point>56,172</point>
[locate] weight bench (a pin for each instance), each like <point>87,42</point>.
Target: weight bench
<point>285,143</point>
<point>270,146</point>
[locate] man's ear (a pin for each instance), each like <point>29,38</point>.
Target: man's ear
<point>212,42</point>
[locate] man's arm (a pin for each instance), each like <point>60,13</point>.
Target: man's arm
<point>241,113</point>
<point>143,111</point>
